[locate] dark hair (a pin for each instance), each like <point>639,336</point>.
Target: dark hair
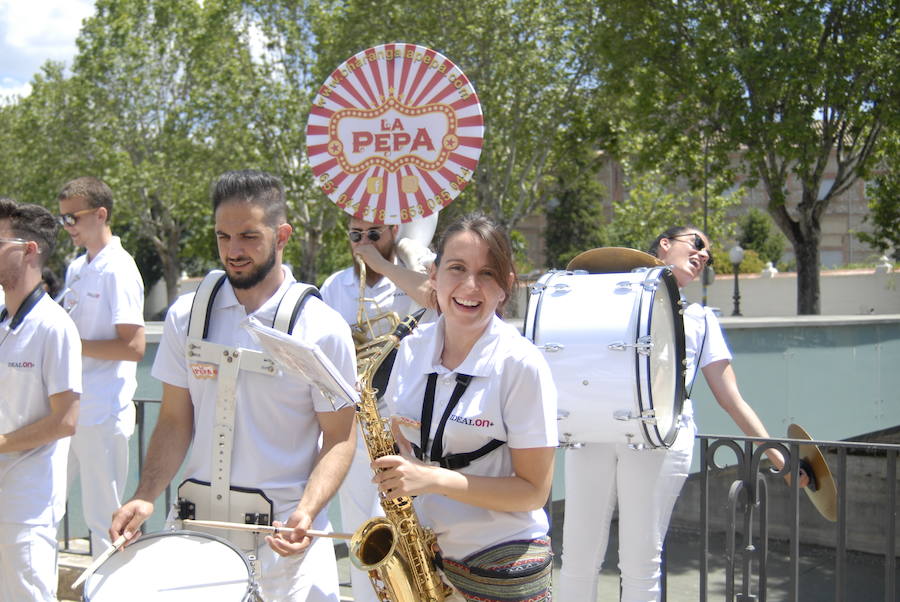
<point>31,222</point>
<point>51,282</point>
<point>671,233</point>
<point>500,256</point>
<point>252,186</point>
<point>93,190</point>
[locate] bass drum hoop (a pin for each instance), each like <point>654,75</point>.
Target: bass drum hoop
<point>653,435</point>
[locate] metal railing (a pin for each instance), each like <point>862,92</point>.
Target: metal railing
<point>140,431</point>
<point>746,517</point>
<point>750,520</point>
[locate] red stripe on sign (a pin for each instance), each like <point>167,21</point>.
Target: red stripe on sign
<point>462,103</point>
<point>432,82</point>
<point>376,75</point>
<point>466,162</point>
<point>321,111</point>
<point>404,71</point>
<point>471,121</point>
<point>470,141</point>
<point>316,130</point>
<point>321,168</point>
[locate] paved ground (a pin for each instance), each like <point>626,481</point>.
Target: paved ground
<point>865,572</point>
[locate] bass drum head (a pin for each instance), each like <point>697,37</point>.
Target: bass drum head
<point>662,391</point>
<point>172,566</point>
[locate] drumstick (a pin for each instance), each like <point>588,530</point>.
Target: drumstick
<point>100,560</point>
<point>216,524</point>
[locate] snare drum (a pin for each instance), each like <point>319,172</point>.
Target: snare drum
<point>615,345</point>
<point>173,566</point>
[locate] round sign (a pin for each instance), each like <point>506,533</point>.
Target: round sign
<point>394,133</point>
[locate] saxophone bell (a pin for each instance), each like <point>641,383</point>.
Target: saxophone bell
<point>373,548</point>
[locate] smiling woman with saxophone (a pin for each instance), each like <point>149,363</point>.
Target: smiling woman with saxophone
<point>475,418</point>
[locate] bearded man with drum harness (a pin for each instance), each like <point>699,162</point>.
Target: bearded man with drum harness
<point>644,478</point>
<point>255,429</point>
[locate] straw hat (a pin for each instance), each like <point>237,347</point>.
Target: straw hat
<point>611,260</point>
<point>824,498</point>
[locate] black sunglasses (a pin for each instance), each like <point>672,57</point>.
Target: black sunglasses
<point>70,219</point>
<point>697,243</point>
<point>373,234</point>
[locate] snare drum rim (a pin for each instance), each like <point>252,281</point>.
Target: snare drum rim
<point>651,431</point>
<point>182,532</point>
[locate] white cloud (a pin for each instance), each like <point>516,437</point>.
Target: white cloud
<point>34,31</point>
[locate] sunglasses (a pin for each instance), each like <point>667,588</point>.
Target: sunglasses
<point>698,244</point>
<point>373,234</point>
<point>70,219</point>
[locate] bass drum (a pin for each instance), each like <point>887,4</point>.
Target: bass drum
<point>615,345</point>
<point>173,566</point>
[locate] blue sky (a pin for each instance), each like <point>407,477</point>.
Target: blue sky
<point>33,31</point>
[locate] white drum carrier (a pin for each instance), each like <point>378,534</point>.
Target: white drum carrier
<point>615,345</point>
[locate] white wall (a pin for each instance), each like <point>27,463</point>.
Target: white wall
<point>845,292</point>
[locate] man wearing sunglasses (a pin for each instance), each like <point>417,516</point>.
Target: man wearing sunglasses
<point>104,295</point>
<point>40,368</point>
<point>358,496</point>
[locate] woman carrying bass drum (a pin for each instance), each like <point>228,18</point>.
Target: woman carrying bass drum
<point>645,483</point>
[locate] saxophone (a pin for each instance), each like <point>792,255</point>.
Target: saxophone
<point>396,550</point>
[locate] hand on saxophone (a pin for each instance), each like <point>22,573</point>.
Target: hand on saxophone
<point>289,543</point>
<point>397,476</point>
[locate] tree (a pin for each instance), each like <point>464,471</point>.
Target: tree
<point>756,234</point>
<point>148,75</point>
<point>798,90</point>
<point>884,200</point>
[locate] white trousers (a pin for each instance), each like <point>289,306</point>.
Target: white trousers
<point>28,563</point>
<point>645,484</point>
<point>311,576</point>
<point>99,456</point>
<point>359,503</point>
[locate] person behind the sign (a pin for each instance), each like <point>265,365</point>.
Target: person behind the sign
<point>278,420</point>
<point>483,470</point>
<point>645,483</point>
<point>358,496</point>
<point>40,368</point>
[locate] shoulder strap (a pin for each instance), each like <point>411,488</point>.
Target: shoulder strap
<point>198,324</point>
<point>699,357</point>
<point>286,314</point>
<point>451,461</point>
<point>291,305</point>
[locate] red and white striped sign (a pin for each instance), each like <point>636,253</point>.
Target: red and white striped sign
<point>394,133</point>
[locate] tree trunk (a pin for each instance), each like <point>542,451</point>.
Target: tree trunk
<point>806,251</point>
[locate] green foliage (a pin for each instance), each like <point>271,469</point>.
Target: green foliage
<point>757,234</point>
<point>793,87</point>
<point>575,219</point>
<point>752,263</point>
<point>883,194</point>
<point>652,207</point>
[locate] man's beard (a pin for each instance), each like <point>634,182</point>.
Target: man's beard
<point>256,276</point>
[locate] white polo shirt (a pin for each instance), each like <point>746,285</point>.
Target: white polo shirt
<point>105,292</point>
<point>512,398</point>
<point>341,292</point>
<point>276,433</point>
<point>701,323</point>
<point>40,358</point>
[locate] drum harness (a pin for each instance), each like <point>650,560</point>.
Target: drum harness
<point>450,461</point>
<point>229,361</point>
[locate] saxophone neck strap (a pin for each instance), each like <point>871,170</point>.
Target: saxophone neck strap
<point>451,461</point>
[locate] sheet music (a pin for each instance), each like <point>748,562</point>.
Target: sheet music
<point>306,359</point>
